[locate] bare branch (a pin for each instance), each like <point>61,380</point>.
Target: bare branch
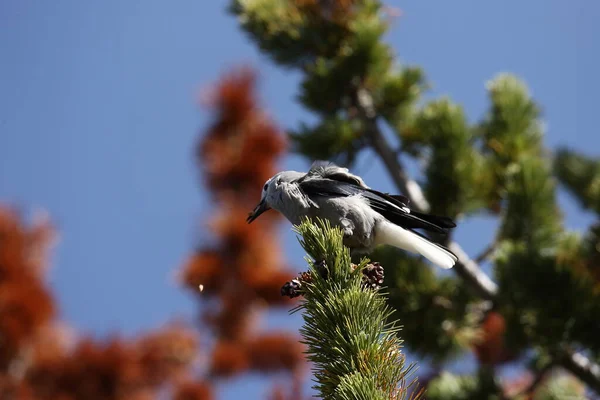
<point>538,378</point>
<point>405,184</point>
<point>486,253</point>
<point>584,369</point>
<point>470,271</point>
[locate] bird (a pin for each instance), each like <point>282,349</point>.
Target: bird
<point>368,218</point>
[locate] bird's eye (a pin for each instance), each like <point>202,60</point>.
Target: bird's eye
<point>265,187</point>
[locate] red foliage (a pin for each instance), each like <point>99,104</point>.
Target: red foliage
<point>203,268</point>
<point>193,391</point>
<point>238,152</point>
<point>491,349</point>
<point>167,353</point>
<point>242,272</point>
<point>25,303</point>
<point>233,320</point>
<point>267,287</point>
<point>241,275</point>
<point>35,359</point>
<point>228,358</point>
<point>272,352</point>
<point>117,369</point>
<point>287,391</point>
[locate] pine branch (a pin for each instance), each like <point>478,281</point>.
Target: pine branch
<point>484,255</point>
<point>535,383</point>
<point>354,349</point>
<point>468,269</point>
<point>583,368</point>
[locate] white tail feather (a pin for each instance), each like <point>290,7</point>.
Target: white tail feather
<point>393,235</point>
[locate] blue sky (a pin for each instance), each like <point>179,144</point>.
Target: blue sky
<point>99,115</point>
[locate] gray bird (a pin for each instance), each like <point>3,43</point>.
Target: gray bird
<point>367,217</point>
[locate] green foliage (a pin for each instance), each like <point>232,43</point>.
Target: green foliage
<point>456,173</point>
<point>285,32</point>
<point>548,294</point>
<point>591,255</point>
<point>511,129</point>
<point>396,96</point>
<point>581,175</point>
<point>333,138</point>
<point>451,387</point>
<point>350,339</point>
<point>326,87</point>
<point>545,299</point>
<point>560,387</point>
<point>448,386</point>
<point>441,307</point>
<point>296,33</point>
<point>338,48</point>
<point>531,213</point>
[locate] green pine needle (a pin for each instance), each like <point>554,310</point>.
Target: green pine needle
<point>354,348</point>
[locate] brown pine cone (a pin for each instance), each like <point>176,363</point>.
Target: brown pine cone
<point>373,276</point>
<point>292,289</point>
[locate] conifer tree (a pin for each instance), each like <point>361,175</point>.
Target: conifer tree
<point>540,304</point>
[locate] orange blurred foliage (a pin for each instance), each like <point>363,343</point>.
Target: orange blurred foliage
<point>228,359</point>
<point>242,275</point>
<point>193,391</point>
<point>26,304</point>
<point>38,360</point>
<point>242,272</point>
<point>275,351</point>
<point>491,350</point>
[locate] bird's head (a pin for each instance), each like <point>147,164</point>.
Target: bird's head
<point>270,192</point>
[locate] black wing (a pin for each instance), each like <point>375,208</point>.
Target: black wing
<point>391,207</point>
<point>329,170</point>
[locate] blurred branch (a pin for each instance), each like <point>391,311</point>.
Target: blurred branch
<point>404,183</point>
<point>537,380</point>
<point>467,268</point>
<point>486,253</point>
<point>584,369</point>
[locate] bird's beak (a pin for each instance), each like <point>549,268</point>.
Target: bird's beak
<point>259,209</point>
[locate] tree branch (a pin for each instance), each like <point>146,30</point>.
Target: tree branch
<point>584,369</point>
<point>405,184</point>
<point>535,383</point>
<point>468,269</point>
<point>486,253</point>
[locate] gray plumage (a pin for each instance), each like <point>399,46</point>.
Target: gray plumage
<point>367,217</point>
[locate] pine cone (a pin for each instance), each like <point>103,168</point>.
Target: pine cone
<point>321,267</point>
<point>305,277</point>
<point>373,276</point>
<point>292,289</point>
